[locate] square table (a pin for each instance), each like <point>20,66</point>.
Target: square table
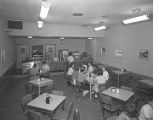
<point>118,73</point>
<point>40,103</point>
<point>40,82</point>
<point>123,95</point>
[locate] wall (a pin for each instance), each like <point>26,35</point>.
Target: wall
<point>7,44</point>
<point>72,44</point>
<point>130,39</point>
<point>53,30</point>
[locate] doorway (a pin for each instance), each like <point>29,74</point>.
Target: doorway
<point>22,51</point>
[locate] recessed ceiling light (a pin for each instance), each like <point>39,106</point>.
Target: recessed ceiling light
<point>77,14</point>
<point>136,10</point>
<point>90,38</point>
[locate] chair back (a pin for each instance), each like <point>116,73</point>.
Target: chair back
<point>49,87</point>
<point>58,92</point>
<point>33,115</point>
<point>76,115</point>
<point>24,100</point>
<point>126,88</point>
<point>106,101</point>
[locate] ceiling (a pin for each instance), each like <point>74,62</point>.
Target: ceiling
<point>95,12</point>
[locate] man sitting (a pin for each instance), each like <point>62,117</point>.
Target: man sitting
<point>44,71</point>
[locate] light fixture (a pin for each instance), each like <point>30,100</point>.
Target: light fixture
<point>45,6</point>
<point>39,23</point>
<point>100,28</point>
<point>136,19</point>
<point>90,38</point>
<point>29,37</point>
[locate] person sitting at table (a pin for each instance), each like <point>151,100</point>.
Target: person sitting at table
<point>69,74</point>
<point>100,79</point>
<point>89,71</point>
<point>81,77</point>
<point>34,71</point>
<point>146,112</point>
<point>44,71</point>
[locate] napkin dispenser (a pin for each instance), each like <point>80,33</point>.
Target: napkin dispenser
<point>48,100</point>
<point>114,90</point>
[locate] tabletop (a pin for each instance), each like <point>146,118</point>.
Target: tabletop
<point>40,102</point>
<point>123,95</point>
<point>41,82</point>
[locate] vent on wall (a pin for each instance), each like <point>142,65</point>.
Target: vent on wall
<point>14,24</point>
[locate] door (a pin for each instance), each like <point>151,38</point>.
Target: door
<point>22,54</point>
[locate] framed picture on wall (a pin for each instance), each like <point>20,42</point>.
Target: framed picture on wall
<point>118,52</point>
<point>50,51</point>
<point>143,54</point>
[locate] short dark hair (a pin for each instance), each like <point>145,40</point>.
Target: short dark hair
<point>82,69</point>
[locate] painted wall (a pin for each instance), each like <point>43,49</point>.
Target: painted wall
<point>53,30</point>
<point>130,39</point>
<point>71,44</point>
<point>7,44</point>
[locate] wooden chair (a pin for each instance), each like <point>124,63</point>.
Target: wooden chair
<point>57,92</point>
<point>126,88</point>
<point>34,115</point>
<point>107,104</point>
<point>48,89</point>
<point>24,100</point>
<point>64,115</point>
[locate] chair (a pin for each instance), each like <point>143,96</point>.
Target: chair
<point>107,104</point>
<point>31,89</point>
<point>76,115</point>
<point>24,100</point>
<point>64,115</point>
<point>126,88</point>
<point>48,89</point>
<point>57,92</point>
<point>34,115</point>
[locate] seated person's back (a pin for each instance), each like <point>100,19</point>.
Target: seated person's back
<point>146,112</point>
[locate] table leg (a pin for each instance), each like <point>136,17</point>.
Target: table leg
<point>118,81</point>
<point>39,90</point>
<point>90,91</point>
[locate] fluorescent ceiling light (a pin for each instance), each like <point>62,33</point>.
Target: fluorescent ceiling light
<point>90,38</point>
<point>45,6</point>
<point>136,19</point>
<point>29,37</point>
<point>40,23</point>
<point>100,28</point>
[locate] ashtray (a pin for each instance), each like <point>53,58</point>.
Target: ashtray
<point>114,90</point>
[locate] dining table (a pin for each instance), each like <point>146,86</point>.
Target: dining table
<point>40,82</point>
<point>122,94</point>
<point>40,104</point>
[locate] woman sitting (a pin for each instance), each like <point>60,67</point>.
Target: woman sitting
<point>100,80</point>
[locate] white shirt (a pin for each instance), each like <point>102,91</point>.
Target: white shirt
<point>70,59</point>
<point>101,79</point>
<point>146,112</point>
<point>90,69</point>
<point>70,71</point>
<point>106,75</point>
